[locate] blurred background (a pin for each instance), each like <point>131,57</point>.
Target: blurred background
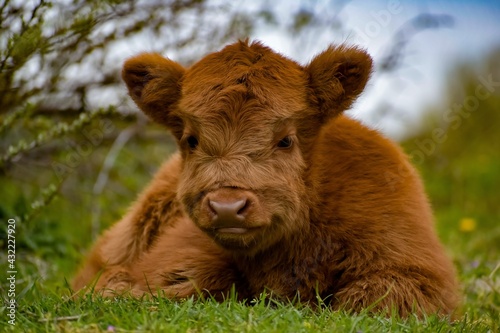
<point>75,152</point>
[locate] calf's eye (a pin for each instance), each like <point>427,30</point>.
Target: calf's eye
<point>286,142</point>
<point>192,142</point>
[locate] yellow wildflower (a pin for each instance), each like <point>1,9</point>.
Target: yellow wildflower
<point>467,224</point>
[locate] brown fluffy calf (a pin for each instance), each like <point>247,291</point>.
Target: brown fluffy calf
<point>273,189</point>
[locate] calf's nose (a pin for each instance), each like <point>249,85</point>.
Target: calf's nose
<point>228,213</point>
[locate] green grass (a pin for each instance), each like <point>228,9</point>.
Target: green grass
<point>52,312</point>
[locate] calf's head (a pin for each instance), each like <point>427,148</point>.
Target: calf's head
<point>245,119</point>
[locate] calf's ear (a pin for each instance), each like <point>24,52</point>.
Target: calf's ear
<point>337,76</point>
<point>154,83</point>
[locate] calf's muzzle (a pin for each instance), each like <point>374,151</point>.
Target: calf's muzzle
<point>230,210</point>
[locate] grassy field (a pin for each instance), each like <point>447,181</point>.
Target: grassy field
<point>461,174</point>
<point>48,252</point>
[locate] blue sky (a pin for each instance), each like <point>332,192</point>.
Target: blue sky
<point>430,55</point>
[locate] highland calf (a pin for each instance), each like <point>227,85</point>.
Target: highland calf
<point>273,189</point>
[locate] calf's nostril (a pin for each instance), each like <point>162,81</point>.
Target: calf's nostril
<point>243,208</point>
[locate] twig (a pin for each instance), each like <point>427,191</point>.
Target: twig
<point>103,177</point>
<point>58,130</point>
<point>494,271</point>
<point>75,317</point>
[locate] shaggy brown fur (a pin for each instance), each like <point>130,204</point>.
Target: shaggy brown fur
<point>273,190</point>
